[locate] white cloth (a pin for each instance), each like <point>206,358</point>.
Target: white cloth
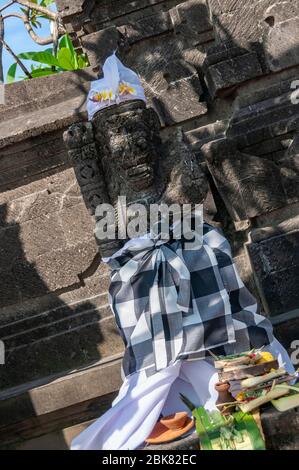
<point>141,401</point>
<point>118,84</point>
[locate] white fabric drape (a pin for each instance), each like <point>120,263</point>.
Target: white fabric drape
<point>141,401</point>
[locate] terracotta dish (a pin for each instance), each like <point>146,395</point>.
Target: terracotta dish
<point>170,428</point>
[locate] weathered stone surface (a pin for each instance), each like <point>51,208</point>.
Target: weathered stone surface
<point>281,429</point>
<point>132,162</point>
<point>239,20</point>
<point>29,159</point>
<point>287,332</point>
<point>147,27</point>
<point>62,103</point>
<point>77,341</point>
<point>281,45</point>
<point>9,291</point>
<point>281,11</point>
<point>44,195</point>
<point>276,266</point>
<point>178,94</point>
<point>228,73</point>
<point>235,89</point>
<point>44,216</point>
<point>55,403</point>
<point>245,182</point>
<point>92,45</point>
<point>61,269</point>
<point>93,287</point>
<point>66,8</point>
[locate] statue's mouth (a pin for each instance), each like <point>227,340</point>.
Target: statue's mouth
<point>141,174</point>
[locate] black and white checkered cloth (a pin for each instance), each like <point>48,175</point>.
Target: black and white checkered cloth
<point>174,303</point>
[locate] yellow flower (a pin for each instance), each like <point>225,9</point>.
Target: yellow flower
<point>107,95</point>
<point>265,357</point>
<point>126,89</point>
<point>96,97</point>
<point>102,96</point>
<point>240,396</point>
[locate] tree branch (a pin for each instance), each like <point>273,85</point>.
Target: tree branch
<point>16,58</point>
<point>7,5</point>
<point>36,38</point>
<point>34,6</point>
<point>14,15</point>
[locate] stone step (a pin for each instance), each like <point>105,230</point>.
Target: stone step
<point>60,313</point>
<point>54,333</point>
<point>48,413</point>
<point>54,403</point>
<point>68,336</point>
<point>68,320</point>
<point>23,339</point>
<point>80,346</point>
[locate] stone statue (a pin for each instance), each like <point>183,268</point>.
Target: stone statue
<point>120,153</point>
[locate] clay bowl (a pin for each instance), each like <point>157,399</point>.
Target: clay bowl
<point>175,421</point>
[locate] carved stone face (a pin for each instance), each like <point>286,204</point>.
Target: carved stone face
<point>78,135</point>
<point>130,152</point>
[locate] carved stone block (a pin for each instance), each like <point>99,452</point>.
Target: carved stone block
<point>281,44</point>
<point>227,73</point>
<point>249,185</point>
<point>275,263</point>
<point>177,98</point>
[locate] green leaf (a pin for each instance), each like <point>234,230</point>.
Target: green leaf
<point>46,3</point>
<point>65,42</point>
<point>42,57</point>
<point>45,17</point>
<point>82,61</point>
<point>11,74</point>
<point>66,59</point>
<point>42,72</point>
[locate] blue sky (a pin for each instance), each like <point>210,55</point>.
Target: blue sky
<point>18,38</point>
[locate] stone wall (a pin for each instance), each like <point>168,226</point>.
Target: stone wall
<point>53,306</point>
<point>223,71</point>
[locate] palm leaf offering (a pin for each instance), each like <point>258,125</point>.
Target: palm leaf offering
<point>288,402</point>
<point>246,382</point>
<point>255,378</point>
<point>236,432</point>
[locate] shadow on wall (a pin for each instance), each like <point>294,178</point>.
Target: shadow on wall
<point>171,66</point>
<point>253,180</point>
<point>42,334</point>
